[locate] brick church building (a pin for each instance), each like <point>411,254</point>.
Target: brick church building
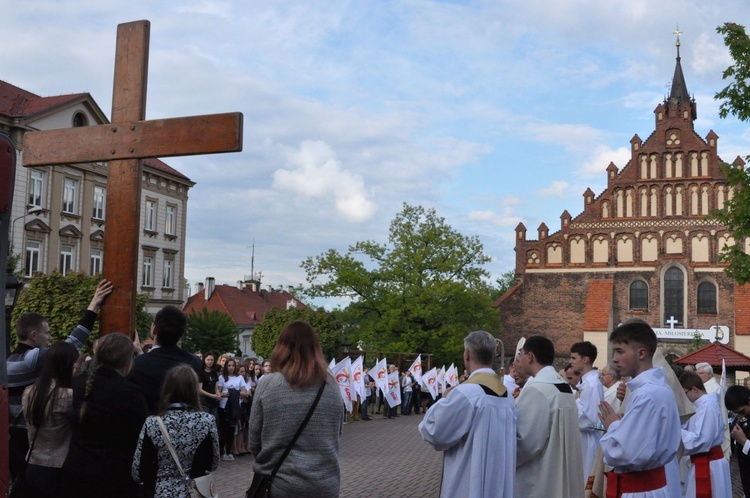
<point>643,248</point>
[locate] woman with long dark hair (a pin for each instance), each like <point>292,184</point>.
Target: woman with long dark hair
<point>111,411</point>
<point>192,433</point>
<point>231,386</point>
<point>48,409</point>
<point>208,379</point>
<point>280,405</point>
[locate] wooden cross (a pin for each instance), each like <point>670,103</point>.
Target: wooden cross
<point>124,143</point>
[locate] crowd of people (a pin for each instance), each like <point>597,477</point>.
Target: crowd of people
<point>134,424</point>
<point>131,424</point>
<point>635,428</point>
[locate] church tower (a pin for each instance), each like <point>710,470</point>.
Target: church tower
<point>644,248</point>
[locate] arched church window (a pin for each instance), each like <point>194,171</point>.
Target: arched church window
<point>707,298</point>
<point>674,294</point>
<point>639,296</point>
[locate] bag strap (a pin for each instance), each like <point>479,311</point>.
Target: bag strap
<point>299,431</point>
<point>170,447</point>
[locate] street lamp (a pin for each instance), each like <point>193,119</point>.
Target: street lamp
<point>30,209</point>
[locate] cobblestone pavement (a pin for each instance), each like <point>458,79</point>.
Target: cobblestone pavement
<point>368,451</point>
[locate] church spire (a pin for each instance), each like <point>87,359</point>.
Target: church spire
<point>679,93</point>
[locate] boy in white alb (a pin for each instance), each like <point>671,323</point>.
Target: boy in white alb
<point>702,436</point>
<point>639,444</point>
<point>590,394</point>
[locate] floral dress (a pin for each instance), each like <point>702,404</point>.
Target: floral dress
<point>196,442</point>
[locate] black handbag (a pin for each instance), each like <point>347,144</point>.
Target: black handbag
<point>261,485</point>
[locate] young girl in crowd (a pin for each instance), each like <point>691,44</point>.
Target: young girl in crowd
<point>192,433</point>
<point>111,411</point>
<point>231,387</point>
<point>48,408</point>
<point>208,385</point>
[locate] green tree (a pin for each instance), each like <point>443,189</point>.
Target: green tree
<point>735,99</point>
<point>423,291</point>
<point>210,331</point>
<point>63,299</point>
<point>503,283</point>
<point>328,327</point>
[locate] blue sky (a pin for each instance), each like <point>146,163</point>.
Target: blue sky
<point>492,112</point>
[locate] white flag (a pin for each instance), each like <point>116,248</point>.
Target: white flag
<point>332,364</point>
<point>379,374</point>
<point>452,376</point>
<point>441,378</point>
<point>394,390</point>
<point>430,381</point>
<point>342,373</point>
<point>416,369</point>
<point>358,378</point>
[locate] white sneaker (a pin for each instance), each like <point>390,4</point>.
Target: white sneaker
<point>227,458</point>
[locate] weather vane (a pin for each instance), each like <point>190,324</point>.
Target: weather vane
<point>677,33</point>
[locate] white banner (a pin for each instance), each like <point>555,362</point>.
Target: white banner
<point>416,369</point>
<point>430,382</point>
<point>441,378</point>
<point>379,374</point>
<point>358,378</point>
<point>342,373</point>
<point>452,376</point>
<point>394,390</point>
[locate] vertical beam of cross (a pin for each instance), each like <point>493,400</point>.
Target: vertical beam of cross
<point>123,202</point>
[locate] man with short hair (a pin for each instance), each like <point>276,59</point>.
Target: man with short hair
<point>475,425</point>
<point>641,444</point>
<point>26,361</point>
<point>610,378</point>
<point>150,370</point>
<point>706,373</point>
<point>590,394</point>
<point>702,436</point>
<point>549,462</point>
<point>571,375</point>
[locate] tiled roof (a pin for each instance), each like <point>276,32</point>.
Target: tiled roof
<point>713,353</point>
<point>17,102</point>
<point>244,306</point>
<point>598,305</point>
<point>160,165</point>
<point>742,309</point>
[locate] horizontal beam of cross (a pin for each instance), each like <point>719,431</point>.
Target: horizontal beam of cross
<point>136,140</point>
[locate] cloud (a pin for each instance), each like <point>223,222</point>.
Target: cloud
<point>315,172</point>
<point>710,56</point>
<point>599,159</point>
<point>557,188</point>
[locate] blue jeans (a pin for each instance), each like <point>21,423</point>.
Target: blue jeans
<point>406,404</point>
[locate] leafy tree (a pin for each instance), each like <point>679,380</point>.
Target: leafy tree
<point>735,99</point>
<point>328,327</point>
<point>423,291</point>
<point>210,331</point>
<point>503,283</point>
<point>63,299</point>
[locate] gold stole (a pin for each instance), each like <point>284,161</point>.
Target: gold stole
<point>489,380</point>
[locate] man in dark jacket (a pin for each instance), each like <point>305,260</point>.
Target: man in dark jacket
<point>150,370</point>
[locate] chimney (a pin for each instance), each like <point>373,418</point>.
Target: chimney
<point>198,287</point>
<point>289,288</point>
<point>239,285</point>
<point>270,288</point>
<point>210,283</point>
<point>281,288</point>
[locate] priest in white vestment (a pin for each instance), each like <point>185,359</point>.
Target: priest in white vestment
<point>475,425</point>
<point>702,436</point>
<point>549,442</point>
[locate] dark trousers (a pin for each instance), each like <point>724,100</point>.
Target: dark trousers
<point>18,446</point>
<point>744,464</point>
